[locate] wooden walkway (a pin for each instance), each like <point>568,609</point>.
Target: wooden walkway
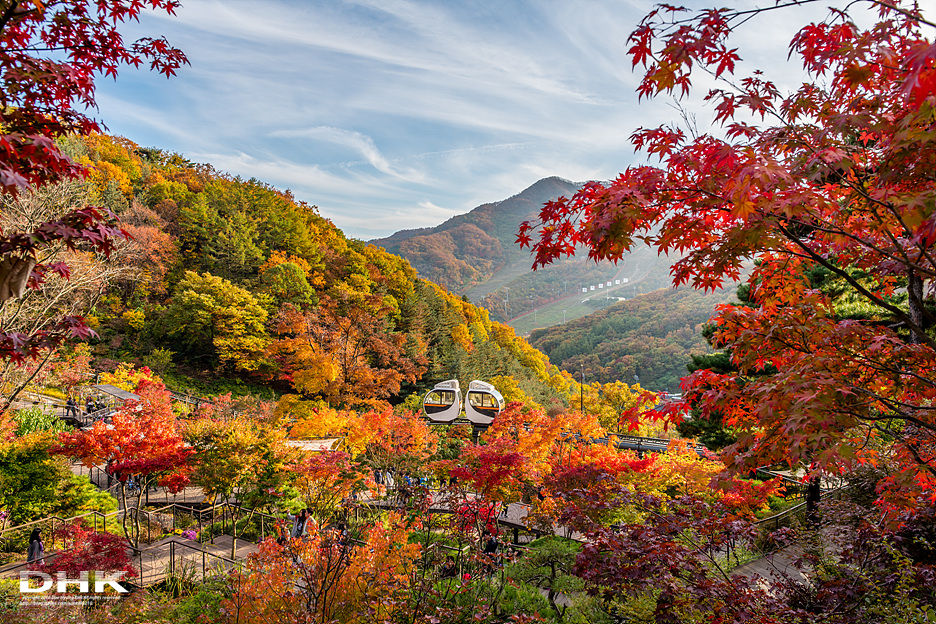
<point>187,558</point>
<point>171,555</point>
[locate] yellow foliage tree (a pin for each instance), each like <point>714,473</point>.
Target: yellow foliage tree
<point>512,392</point>
<point>313,419</point>
<point>608,402</point>
<point>127,376</point>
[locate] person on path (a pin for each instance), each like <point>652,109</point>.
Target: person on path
<point>36,550</point>
<point>490,547</point>
<point>342,533</point>
<point>282,534</point>
<point>299,521</point>
<point>490,553</point>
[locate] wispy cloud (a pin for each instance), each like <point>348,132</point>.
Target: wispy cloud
<point>399,113</point>
<point>360,143</point>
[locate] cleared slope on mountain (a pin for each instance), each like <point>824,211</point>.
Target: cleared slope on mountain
<point>651,336</point>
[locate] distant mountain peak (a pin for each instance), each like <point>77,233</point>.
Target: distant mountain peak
<point>475,254</point>
<point>467,249</point>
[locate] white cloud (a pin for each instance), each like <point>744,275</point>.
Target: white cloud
<point>422,214</point>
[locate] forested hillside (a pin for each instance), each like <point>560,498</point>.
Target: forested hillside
<point>233,279</point>
<point>651,336</point>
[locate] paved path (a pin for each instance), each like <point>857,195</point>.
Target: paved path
<point>773,567</point>
<point>780,565</point>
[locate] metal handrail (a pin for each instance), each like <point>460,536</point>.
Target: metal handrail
<point>786,513</point>
<point>61,521</point>
<point>140,552</point>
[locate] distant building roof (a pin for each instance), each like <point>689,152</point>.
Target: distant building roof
<point>114,391</point>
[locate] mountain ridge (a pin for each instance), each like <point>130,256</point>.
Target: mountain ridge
<point>475,254</point>
<point>468,249</point>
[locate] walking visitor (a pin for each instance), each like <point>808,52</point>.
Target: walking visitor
<point>36,549</point>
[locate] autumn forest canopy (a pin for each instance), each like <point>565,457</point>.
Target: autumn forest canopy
<point>305,355</point>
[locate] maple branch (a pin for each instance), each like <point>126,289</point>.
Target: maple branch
<point>12,11</point>
<point>8,400</point>
<point>897,312</point>
<point>748,12</point>
<point>925,465</point>
<point>888,369</point>
<point>916,17</point>
<point>894,405</point>
<point>902,259</point>
<point>924,252</point>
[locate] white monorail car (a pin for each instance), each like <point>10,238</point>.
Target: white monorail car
<point>482,403</point>
<point>442,404</point>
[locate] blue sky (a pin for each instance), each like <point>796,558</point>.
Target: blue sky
<point>392,114</point>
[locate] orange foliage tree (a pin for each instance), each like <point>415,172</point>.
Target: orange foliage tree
<point>599,472</point>
<point>327,578</point>
<point>539,437</point>
<point>387,440</point>
<point>142,442</point>
<point>344,353</point>
<point>327,479</point>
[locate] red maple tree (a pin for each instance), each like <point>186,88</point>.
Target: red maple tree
<point>89,550</point>
<point>142,444</point>
<point>833,179</point>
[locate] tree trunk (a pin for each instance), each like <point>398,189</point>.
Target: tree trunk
<point>234,532</point>
<point>126,529</point>
<point>915,304</point>
<point>813,495</point>
<point>136,516</point>
<point>8,400</point>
